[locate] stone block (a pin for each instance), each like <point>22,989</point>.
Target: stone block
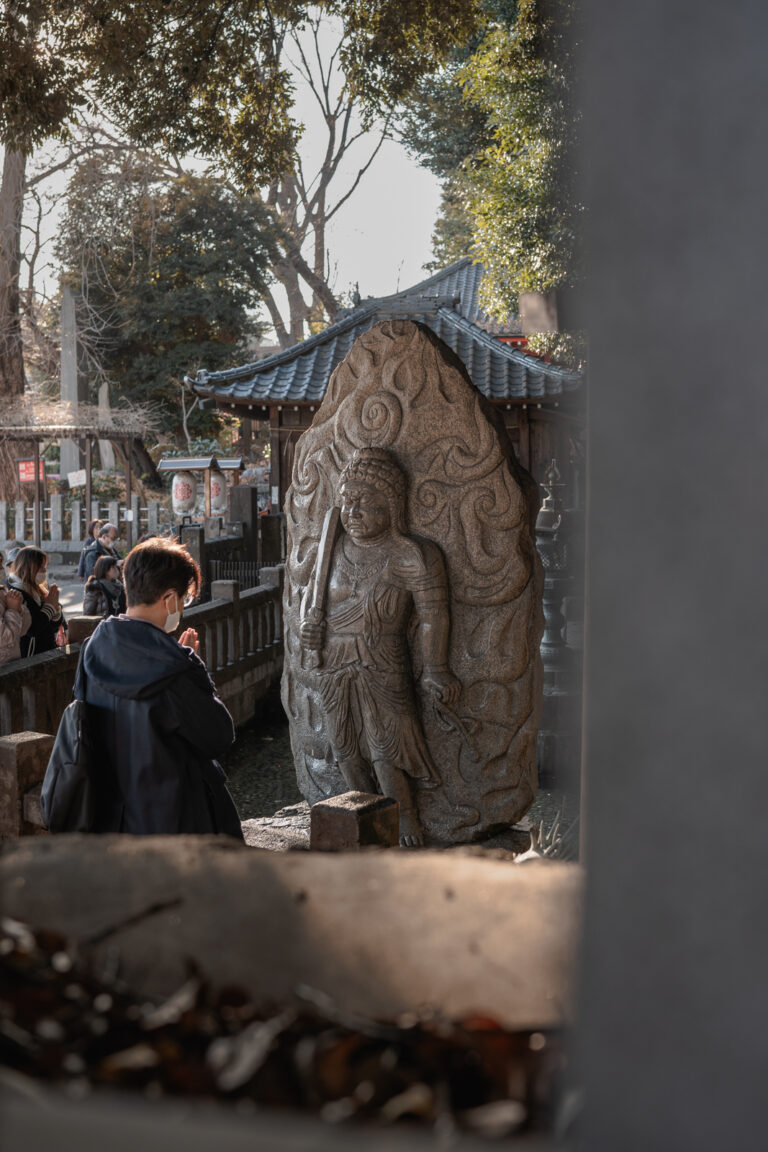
<point>381,933</point>
<point>31,809</point>
<point>79,628</point>
<point>354,820</point>
<point>23,760</point>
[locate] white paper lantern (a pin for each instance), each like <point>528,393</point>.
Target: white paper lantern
<point>183,492</point>
<point>218,493</point>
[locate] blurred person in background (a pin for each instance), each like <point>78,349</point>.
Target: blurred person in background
<point>28,576</point>
<point>91,538</point>
<point>105,546</point>
<point>104,591</point>
<point>14,619</point>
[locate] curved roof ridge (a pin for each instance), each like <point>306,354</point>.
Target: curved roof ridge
<point>507,351</point>
<point>285,355</point>
<point>435,278</point>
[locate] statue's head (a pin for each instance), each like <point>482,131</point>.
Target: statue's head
<point>373,478</point>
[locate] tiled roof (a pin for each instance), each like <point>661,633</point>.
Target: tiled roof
<point>446,302</point>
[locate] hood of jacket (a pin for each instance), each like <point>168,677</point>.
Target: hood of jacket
<point>134,659</point>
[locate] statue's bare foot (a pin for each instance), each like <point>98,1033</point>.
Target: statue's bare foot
<point>411,831</point>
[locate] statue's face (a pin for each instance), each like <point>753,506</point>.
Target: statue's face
<point>365,512</point>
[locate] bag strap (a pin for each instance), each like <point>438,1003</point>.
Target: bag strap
<point>80,674</point>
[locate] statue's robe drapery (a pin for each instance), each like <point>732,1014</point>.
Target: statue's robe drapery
<point>366,682</point>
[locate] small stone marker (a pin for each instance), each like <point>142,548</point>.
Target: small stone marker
<point>354,820</point>
<point>23,761</point>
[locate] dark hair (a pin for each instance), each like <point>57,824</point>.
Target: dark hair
<point>156,565</point>
<point>92,525</point>
<point>102,566</point>
<point>27,563</point>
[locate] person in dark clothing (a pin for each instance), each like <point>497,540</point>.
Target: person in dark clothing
<point>91,537</point>
<point>153,709</point>
<point>28,576</point>
<point>104,592</point>
<point>105,546</point>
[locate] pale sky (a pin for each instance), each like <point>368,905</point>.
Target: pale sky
<point>381,238</point>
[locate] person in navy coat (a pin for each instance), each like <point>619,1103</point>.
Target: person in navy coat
<point>153,711</point>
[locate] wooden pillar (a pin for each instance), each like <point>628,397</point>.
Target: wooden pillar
<point>88,467</point>
<point>37,532</point>
<point>275,493</point>
<point>128,484</point>
<point>207,481</point>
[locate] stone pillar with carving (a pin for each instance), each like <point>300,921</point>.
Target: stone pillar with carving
<point>560,735</point>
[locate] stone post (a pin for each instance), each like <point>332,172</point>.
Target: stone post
<point>21,520</point>
<point>244,509</point>
<point>230,590</point>
<point>114,513</point>
<point>95,513</point>
<point>76,527</point>
<point>135,509</point>
<point>23,760</point>
<point>57,519</point>
<point>3,520</point>
<point>194,537</point>
<point>153,515</point>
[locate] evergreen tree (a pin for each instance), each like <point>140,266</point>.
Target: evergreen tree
<point>169,273</point>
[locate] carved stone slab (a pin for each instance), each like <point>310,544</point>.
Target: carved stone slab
<point>469,515</point>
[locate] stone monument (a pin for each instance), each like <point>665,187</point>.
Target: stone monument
<point>413,595</point>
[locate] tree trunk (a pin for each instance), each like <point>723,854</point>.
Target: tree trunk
<point>11,206</point>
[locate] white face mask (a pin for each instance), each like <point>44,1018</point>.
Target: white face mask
<point>173,618</point>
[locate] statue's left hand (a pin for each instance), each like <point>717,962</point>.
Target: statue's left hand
<point>443,683</point>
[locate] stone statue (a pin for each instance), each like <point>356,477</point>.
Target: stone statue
<point>412,603</point>
<point>379,582</point>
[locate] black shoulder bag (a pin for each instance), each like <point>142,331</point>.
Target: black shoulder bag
<point>66,798</point>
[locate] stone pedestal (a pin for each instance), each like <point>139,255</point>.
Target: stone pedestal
<point>354,820</point>
<point>23,760</point>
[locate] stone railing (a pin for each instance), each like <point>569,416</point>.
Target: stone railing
<point>64,524</point>
<point>241,642</point>
<point>34,692</point>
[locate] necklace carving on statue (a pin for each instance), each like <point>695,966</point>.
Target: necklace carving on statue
<point>357,573</point>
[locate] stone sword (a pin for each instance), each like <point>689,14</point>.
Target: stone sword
<point>316,612</point>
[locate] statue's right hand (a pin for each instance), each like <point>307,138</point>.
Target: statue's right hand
<point>312,634</point>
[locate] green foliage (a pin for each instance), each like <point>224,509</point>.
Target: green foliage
<point>202,75</point>
<point>169,273</point>
<point>566,348</point>
<point>521,186</point>
<point>391,44</point>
